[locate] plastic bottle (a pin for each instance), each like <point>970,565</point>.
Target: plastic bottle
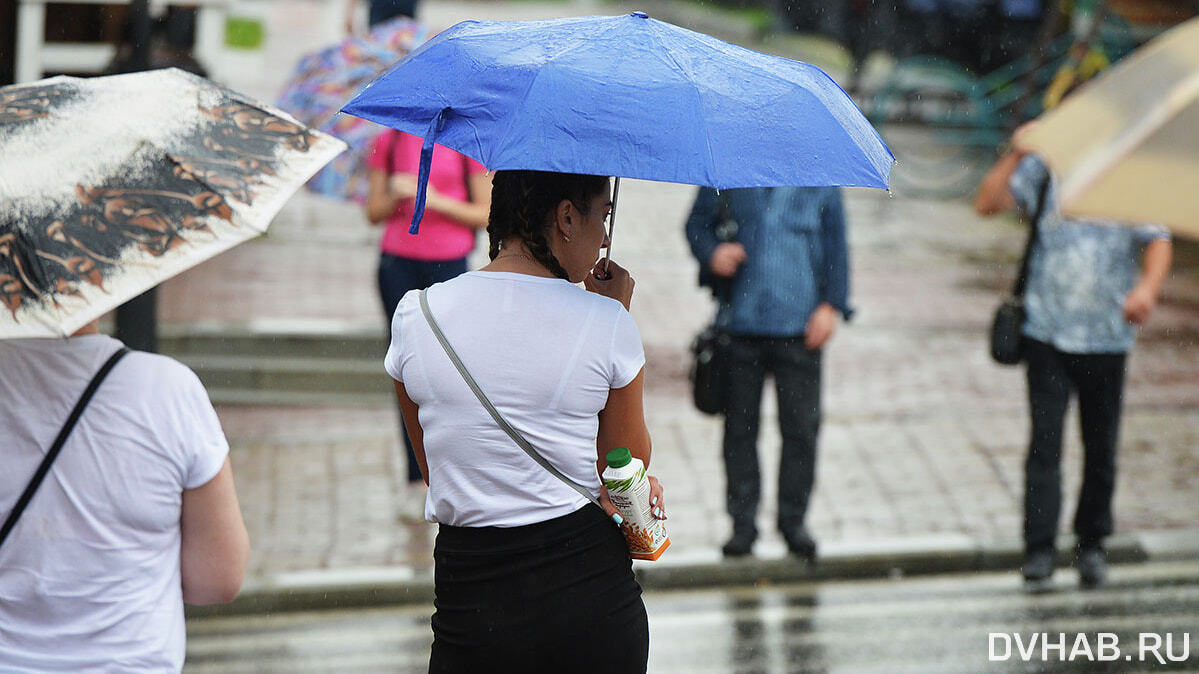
<point>628,487</point>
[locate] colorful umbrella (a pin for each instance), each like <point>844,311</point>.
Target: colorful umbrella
<point>325,80</point>
<point>1126,146</point>
<point>112,184</point>
<point>625,96</point>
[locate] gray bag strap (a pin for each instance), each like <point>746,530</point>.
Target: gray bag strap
<point>495,414</point>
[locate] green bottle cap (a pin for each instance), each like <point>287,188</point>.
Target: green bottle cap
<point>619,457</point>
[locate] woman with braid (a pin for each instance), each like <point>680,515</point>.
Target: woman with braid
<point>530,576</point>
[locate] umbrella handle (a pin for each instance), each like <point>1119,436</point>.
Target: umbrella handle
<point>611,228</point>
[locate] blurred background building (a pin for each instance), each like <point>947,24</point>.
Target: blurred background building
<point>42,38</point>
<point>981,34</point>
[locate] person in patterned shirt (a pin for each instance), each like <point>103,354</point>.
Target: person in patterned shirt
<point>1090,284</point>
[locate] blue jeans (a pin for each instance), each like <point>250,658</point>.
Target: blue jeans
<point>398,275</point>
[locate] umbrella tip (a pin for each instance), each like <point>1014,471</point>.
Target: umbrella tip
<point>639,14</point>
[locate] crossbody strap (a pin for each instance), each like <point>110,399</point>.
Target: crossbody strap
<point>1034,227</point>
<point>44,468</point>
<point>495,414</point>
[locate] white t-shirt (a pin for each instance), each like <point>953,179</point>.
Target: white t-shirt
<point>546,353</point>
<point>89,578</point>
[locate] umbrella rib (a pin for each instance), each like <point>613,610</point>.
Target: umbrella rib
<point>698,97</point>
<point>861,132</point>
<point>861,138</point>
<point>532,83</point>
<point>193,177</point>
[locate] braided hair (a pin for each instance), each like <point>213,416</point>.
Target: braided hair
<point>522,203</point>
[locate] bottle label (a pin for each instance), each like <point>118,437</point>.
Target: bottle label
<point>645,535</point>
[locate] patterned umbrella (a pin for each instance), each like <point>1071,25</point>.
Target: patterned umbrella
<point>325,80</point>
<point>112,184</point>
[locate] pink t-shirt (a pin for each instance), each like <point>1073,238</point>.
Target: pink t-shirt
<point>440,237</point>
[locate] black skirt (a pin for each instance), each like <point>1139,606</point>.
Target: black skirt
<point>555,596</point>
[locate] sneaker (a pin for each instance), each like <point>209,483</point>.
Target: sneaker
<point>1038,571</point>
<point>740,545</point>
<point>411,508</point>
<point>1091,562</point>
<point>801,544</point>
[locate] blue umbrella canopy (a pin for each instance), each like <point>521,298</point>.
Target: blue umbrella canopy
<point>626,96</point>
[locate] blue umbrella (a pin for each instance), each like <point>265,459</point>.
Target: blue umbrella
<point>625,96</point>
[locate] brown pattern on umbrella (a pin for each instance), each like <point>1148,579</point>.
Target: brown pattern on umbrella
<point>162,204</point>
<point>26,104</point>
<point>241,123</point>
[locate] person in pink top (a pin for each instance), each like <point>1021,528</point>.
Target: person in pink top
<point>457,204</point>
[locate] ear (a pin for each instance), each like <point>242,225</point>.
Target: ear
<point>564,218</point>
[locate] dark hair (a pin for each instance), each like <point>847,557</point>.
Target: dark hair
<point>521,205</point>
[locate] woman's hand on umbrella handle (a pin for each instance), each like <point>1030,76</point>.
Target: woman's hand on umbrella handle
<point>657,504</point>
<point>617,283</point>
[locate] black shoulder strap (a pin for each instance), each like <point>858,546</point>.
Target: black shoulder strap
<point>1034,225</point>
<point>724,212</point>
<point>44,468</point>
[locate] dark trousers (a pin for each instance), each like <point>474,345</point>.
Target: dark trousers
<point>796,371</point>
<point>555,596</point>
<point>398,275</point>
<point>1098,380</point>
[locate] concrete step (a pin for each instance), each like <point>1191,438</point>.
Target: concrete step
<point>249,365</point>
<point>338,375</point>
<point>311,340</point>
<point>232,396</point>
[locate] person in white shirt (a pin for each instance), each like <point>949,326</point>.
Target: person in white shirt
<point>137,515</point>
<point>529,575</point>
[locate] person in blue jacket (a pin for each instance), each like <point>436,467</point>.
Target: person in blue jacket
<point>784,279</point>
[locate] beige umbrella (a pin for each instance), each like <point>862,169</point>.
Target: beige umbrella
<point>110,185</point>
<point>1126,146</point>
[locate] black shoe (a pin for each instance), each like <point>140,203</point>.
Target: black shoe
<point>1038,571</point>
<point>1091,562</point>
<point>801,544</point>
<point>740,545</point>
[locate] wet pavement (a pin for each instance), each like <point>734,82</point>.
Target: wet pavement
<point>924,437</point>
<point>923,441</point>
<point>941,624</point>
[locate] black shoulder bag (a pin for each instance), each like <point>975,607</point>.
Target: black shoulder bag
<point>44,468</point>
<point>708,370</point>
<point>1007,329</point>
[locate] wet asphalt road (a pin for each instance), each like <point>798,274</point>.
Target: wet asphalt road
<point>930,624</point>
